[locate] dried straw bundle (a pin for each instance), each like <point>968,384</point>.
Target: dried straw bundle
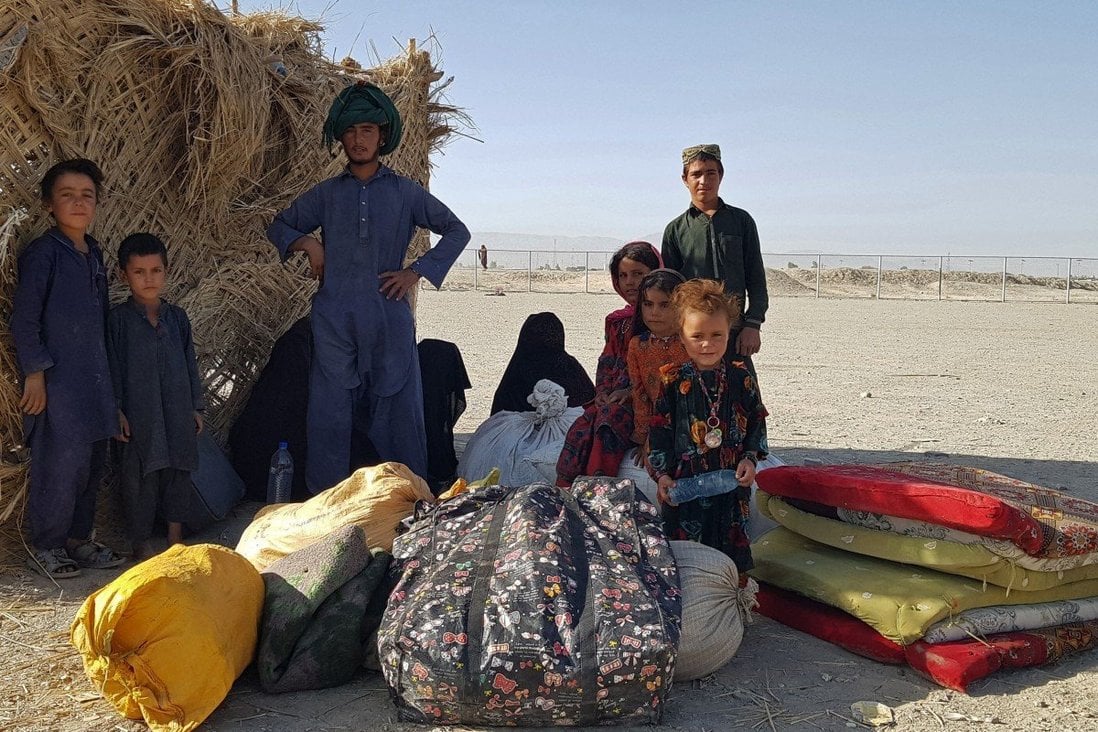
<point>10,419</point>
<point>236,315</point>
<point>202,142</point>
<point>13,477</point>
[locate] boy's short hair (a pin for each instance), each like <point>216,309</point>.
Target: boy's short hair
<point>74,165</point>
<point>137,245</point>
<point>705,296</point>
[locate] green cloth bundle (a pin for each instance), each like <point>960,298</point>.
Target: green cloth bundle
<point>315,618</point>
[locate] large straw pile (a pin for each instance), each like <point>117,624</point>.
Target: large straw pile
<point>202,140</point>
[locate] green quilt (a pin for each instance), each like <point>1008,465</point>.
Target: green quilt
<point>898,600</point>
<point>316,612</point>
<point>967,560</point>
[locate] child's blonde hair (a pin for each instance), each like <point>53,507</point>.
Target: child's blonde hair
<point>705,296</point>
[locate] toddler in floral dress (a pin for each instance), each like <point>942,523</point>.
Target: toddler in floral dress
<point>708,417</point>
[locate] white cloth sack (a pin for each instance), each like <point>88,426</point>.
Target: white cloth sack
<point>639,476</point>
<point>714,609</point>
<point>523,445</point>
<point>544,461</point>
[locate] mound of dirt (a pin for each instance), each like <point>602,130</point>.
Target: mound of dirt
<point>911,278</point>
<point>779,282</point>
<point>919,278</point>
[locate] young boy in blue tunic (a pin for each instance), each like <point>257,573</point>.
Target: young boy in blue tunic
<point>364,341</point>
<point>57,324</point>
<point>159,395</point>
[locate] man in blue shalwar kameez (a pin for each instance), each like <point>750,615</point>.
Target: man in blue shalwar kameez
<point>364,345</point>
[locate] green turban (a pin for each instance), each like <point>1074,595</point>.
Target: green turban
<point>363,102</point>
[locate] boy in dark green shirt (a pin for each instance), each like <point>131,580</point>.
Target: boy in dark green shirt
<point>713,240</point>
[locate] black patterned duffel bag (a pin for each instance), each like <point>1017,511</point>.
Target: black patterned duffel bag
<point>533,606</point>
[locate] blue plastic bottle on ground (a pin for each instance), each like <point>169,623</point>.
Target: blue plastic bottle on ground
<point>280,480</point>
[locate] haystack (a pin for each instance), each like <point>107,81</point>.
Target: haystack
<point>205,125</point>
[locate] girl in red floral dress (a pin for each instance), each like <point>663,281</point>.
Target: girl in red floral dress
<point>598,440</point>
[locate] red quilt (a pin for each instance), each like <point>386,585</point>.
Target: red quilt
<point>954,665</point>
<point>827,623</point>
<point>1068,525</point>
<point>880,490</point>
<point>958,663</point>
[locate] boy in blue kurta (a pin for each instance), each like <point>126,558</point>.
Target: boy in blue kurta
<point>364,341</point>
<point>57,324</point>
<point>159,395</point>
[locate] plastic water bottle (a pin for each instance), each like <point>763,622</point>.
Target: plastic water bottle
<point>280,481</point>
<point>713,483</point>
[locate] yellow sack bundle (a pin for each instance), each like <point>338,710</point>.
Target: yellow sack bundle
<point>377,499</point>
<point>166,640</point>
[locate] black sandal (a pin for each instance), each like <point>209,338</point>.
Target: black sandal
<point>93,555</point>
<point>53,564</point>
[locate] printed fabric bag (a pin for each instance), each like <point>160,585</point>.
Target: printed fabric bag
<point>533,606</point>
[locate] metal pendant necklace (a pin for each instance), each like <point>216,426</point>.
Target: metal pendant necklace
<point>713,434</point>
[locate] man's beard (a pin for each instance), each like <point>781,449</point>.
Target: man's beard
<point>363,161</point>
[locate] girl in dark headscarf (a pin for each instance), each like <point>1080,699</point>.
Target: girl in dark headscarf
<point>598,440</point>
<point>539,354</point>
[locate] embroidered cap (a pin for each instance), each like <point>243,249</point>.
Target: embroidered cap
<point>694,151</point>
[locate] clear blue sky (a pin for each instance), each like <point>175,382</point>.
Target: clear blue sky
<point>908,127</point>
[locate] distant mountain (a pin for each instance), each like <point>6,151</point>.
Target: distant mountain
<point>496,241</point>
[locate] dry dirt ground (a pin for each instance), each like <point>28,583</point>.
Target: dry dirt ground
<point>1008,387</point>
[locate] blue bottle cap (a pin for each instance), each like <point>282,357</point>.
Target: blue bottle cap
<point>283,445</point>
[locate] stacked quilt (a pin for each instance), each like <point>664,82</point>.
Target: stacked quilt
<point>955,571</point>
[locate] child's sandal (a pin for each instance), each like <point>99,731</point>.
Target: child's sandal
<point>53,564</point>
<point>93,555</point>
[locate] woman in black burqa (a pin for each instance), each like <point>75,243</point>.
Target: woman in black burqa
<point>539,354</point>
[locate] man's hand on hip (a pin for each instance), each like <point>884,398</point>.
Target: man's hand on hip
<point>396,285</point>
<point>748,341</point>
<point>315,251</point>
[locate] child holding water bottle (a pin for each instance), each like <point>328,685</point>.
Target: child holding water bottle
<point>159,396</point>
<point>709,417</point>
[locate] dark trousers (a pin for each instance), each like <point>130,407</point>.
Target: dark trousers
<point>144,494</point>
<point>65,476</point>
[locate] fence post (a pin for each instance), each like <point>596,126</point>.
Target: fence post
<point>1002,296</point>
<point>1068,300</point>
<point>530,271</point>
<point>818,265</point>
<point>940,263</point>
<point>880,260</point>
<point>587,272</point>
<point>476,266</point>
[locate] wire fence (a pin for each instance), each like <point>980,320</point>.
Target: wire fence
<point>881,277</point>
